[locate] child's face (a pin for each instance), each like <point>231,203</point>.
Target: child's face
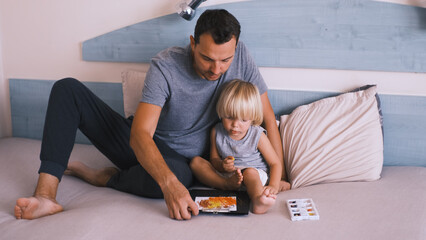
<point>236,128</point>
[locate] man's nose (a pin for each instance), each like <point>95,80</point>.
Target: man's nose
<point>215,67</point>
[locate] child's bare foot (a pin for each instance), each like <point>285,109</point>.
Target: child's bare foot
<point>234,182</point>
<point>96,177</point>
<point>36,207</point>
<point>284,186</point>
<point>262,203</point>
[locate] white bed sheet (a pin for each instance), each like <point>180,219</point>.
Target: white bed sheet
<point>390,208</point>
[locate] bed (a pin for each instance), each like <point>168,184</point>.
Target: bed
<point>388,208</point>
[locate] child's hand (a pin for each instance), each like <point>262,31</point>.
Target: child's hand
<point>228,164</point>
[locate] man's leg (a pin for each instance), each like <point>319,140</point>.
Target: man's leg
<point>44,201</point>
<point>72,106</point>
<point>136,180</point>
<point>96,177</point>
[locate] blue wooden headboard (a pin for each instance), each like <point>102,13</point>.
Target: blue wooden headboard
<point>404,116</point>
<point>28,102</point>
<point>332,34</point>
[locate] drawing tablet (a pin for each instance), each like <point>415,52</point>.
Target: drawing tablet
<point>223,202</point>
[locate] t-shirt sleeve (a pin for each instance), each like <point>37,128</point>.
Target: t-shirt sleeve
<point>155,90</point>
<point>252,73</point>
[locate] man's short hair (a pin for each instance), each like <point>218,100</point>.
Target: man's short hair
<point>221,25</point>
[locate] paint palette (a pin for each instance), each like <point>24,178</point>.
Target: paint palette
<point>302,209</point>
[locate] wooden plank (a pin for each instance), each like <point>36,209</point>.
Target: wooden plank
<point>332,34</point>
<point>404,124</point>
<point>29,98</point>
<point>405,129</point>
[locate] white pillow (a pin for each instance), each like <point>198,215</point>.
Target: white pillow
<point>133,82</point>
<point>335,139</point>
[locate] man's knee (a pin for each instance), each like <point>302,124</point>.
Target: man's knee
<point>184,174</point>
<point>67,88</point>
<point>65,82</point>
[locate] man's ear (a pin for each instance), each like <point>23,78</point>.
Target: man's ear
<point>192,40</point>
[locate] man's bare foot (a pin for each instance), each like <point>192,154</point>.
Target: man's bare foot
<point>96,177</point>
<point>36,207</point>
<point>234,182</point>
<point>262,203</point>
<point>284,186</point>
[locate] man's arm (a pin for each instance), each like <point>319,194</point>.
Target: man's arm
<point>178,200</point>
<point>271,127</point>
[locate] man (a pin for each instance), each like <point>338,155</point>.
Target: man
<point>170,126</point>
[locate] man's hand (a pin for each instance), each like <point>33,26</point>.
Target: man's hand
<point>177,197</point>
<point>179,201</point>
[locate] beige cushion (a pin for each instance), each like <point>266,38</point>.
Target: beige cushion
<point>335,139</point>
<point>133,82</point>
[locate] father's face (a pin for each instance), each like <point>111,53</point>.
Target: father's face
<point>211,60</point>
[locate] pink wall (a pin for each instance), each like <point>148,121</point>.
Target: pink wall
<point>4,99</point>
<point>42,40</point>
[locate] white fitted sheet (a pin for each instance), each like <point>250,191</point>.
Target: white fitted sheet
<point>390,208</point>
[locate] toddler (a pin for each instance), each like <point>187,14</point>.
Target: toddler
<point>240,151</point>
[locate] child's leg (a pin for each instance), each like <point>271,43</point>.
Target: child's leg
<point>261,199</point>
<point>207,174</point>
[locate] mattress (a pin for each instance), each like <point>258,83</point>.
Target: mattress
<point>389,208</point>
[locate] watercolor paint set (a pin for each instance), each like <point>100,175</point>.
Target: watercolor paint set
<point>302,209</point>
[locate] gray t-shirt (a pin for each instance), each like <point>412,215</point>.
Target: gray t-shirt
<point>188,101</point>
<point>244,151</point>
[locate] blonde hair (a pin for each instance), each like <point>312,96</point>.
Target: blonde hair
<point>240,100</point>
